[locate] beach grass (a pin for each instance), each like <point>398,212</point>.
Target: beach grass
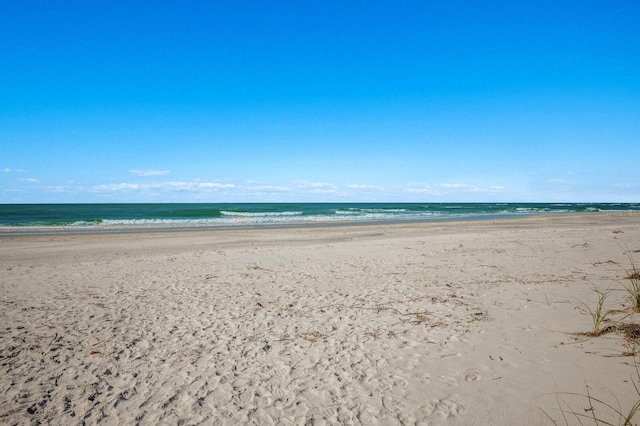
<point>586,408</point>
<point>599,410</point>
<point>633,278</point>
<point>598,313</point>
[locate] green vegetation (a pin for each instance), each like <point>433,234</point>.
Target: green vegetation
<point>633,288</point>
<point>602,410</point>
<point>599,314</point>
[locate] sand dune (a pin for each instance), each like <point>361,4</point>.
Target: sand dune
<point>432,323</point>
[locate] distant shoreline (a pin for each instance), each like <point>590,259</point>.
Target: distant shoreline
<point>7,232</point>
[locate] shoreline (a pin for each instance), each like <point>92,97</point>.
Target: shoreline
<point>60,231</point>
<point>445,323</point>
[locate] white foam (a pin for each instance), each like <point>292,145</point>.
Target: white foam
<point>258,214</point>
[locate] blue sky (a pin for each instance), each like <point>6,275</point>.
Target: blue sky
<point>127,101</point>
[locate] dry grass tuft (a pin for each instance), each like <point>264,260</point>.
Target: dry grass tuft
<point>633,275</point>
<point>629,331</point>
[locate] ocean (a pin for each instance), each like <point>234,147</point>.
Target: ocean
<point>88,217</point>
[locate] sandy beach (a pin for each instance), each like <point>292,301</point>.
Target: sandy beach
<point>461,323</point>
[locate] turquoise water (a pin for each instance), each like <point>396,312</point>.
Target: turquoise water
<point>226,214</point>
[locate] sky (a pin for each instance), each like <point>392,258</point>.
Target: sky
<point>319,101</point>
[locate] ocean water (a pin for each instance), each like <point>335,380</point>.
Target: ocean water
<point>117,216</point>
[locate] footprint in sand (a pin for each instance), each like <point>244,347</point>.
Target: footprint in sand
<point>392,404</point>
<point>424,378</point>
<point>393,382</point>
<point>471,375</point>
<point>368,414</point>
<point>324,411</point>
<point>276,390</point>
<point>447,408</point>
<point>281,371</point>
<point>451,381</point>
<point>246,396</point>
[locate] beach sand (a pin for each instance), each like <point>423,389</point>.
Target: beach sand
<point>423,323</point>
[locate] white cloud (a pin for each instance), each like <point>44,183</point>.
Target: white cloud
<point>561,182</point>
<point>323,191</point>
<point>117,187</point>
<point>178,186</point>
<point>195,185</point>
<point>455,186</point>
<point>271,188</point>
<point>462,187</point>
<point>30,180</point>
<point>317,185</point>
<point>472,188</point>
<point>137,172</point>
<point>8,170</point>
<point>216,185</point>
<point>360,186</point>
<point>424,189</point>
<point>60,189</point>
